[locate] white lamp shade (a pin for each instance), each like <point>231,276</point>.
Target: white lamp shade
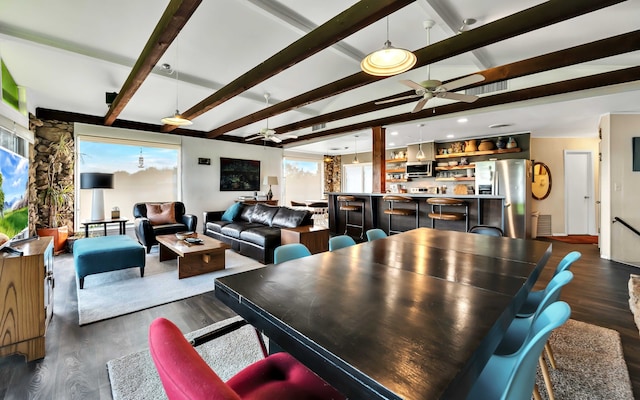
<point>270,180</point>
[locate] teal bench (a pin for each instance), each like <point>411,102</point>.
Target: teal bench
<point>106,253</point>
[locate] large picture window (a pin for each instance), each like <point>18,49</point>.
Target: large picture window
<point>143,172</point>
<point>303,180</point>
<point>357,178</point>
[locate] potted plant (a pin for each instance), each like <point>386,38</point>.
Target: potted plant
<point>58,193</point>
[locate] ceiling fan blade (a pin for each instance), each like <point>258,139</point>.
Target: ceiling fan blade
<point>253,138</point>
<point>275,139</point>
<point>467,80</point>
<point>412,96</point>
<point>288,136</point>
<point>467,98</point>
<point>420,104</point>
<point>412,84</point>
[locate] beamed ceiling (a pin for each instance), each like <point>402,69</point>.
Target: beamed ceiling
<point>564,64</point>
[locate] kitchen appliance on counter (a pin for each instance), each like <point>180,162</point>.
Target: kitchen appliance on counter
<point>421,169</point>
<point>512,179</point>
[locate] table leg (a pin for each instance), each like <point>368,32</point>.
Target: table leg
<point>166,253</point>
<point>105,228</point>
<point>198,264</point>
<point>86,230</point>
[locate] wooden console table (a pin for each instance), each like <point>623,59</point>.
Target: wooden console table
<point>268,202</point>
<point>26,284</point>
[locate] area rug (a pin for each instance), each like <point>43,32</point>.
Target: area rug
<point>134,376</point>
<point>116,293</point>
<point>634,298</point>
<point>589,358</point>
<point>590,363</point>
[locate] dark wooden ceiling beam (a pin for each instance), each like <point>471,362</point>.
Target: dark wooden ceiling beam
<point>612,46</point>
<point>540,16</point>
<point>572,85</point>
<point>171,23</point>
<point>360,15</point>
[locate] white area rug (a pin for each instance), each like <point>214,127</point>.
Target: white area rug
<point>116,293</point>
<point>134,377</point>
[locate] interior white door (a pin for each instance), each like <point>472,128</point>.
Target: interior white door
<point>579,198</point>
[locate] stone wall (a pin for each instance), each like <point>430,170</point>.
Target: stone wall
<point>52,169</point>
<point>332,173</point>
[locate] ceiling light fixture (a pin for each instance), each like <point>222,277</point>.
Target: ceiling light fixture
<point>389,60</point>
<point>466,23</point>
<point>176,119</point>
<point>420,154</point>
<point>355,159</point>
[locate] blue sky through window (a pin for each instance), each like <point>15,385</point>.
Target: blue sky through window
<point>113,157</point>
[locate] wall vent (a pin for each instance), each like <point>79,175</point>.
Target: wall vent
<point>544,225</point>
<point>318,127</point>
<point>488,88</point>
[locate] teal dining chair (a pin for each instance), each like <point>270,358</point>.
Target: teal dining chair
<point>338,242</point>
<point>373,234</point>
<point>290,251</point>
<point>535,297</point>
<point>519,329</point>
<point>513,376</point>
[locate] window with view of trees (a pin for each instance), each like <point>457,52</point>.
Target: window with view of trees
<point>303,180</point>
<point>142,171</point>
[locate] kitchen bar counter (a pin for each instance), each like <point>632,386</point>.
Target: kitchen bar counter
<point>483,210</point>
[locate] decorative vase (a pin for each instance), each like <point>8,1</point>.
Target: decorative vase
<point>512,144</point>
<point>470,145</point>
<point>485,145</point>
<point>500,143</point>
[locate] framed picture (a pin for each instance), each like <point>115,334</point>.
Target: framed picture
<point>636,153</point>
<point>239,175</point>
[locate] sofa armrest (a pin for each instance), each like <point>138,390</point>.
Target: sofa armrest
<point>144,231</point>
<point>210,216</point>
<point>191,221</point>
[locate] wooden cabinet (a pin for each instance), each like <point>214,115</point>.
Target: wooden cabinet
<point>26,287</point>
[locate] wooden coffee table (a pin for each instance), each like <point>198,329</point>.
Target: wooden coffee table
<point>193,259</point>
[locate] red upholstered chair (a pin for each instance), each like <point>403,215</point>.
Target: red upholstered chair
<point>185,375</point>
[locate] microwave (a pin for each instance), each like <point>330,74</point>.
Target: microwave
<point>423,169</point>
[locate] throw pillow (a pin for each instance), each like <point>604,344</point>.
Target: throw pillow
<point>231,213</point>
<point>161,213</point>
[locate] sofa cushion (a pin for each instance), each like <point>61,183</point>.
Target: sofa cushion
<point>289,218</point>
<point>216,226</point>
<point>263,214</point>
<point>262,236</point>
<point>168,229</point>
<point>245,213</point>
<point>234,229</point>
<point>231,213</point>
<point>161,213</point>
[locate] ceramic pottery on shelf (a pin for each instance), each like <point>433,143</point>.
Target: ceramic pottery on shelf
<point>485,145</point>
<point>501,143</point>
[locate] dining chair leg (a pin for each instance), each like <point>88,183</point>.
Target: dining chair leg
<point>552,360</point>
<point>546,376</point>
<point>536,394</point>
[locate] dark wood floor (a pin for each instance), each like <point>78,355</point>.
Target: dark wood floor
<point>75,365</point>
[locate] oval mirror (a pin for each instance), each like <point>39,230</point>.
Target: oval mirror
<point>541,186</point>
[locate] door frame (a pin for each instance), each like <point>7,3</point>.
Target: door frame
<point>589,174</point>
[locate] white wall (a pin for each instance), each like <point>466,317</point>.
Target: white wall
<point>624,188</point>
<point>201,183</point>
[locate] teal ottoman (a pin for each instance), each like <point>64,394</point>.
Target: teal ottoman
<point>106,253</point>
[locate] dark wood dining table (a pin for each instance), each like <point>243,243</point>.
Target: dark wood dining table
<point>412,316</point>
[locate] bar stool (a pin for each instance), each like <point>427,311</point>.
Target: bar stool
<point>393,199</point>
<point>350,204</point>
<point>446,215</point>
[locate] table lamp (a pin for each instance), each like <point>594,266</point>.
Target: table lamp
<point>270,180</point>
<point>96,181</point>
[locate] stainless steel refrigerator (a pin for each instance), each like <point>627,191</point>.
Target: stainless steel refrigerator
<point>511,179</point>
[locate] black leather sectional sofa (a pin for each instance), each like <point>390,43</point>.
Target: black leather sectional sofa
<point>255,230</point>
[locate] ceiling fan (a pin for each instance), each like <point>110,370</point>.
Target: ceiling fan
<point>270,134</point>
<point>434,88</point>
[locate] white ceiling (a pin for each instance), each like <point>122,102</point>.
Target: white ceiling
<point>69,53</point>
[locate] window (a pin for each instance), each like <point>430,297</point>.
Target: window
<point>143,171</point>
<point>357,178</point>
<point>303,180</point>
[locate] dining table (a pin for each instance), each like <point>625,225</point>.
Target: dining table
<point>415,315</point>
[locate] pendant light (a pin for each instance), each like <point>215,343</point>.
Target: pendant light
<point>176,119</point>
<point>355,159</point>
<point>420,154</point>
<point>389,60</point>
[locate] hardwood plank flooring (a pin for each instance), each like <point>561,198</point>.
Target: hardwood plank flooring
<point>75,365</point>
